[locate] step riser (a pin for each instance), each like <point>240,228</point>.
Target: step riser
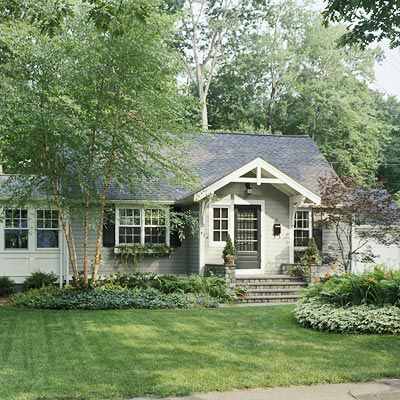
<point>276,287</point>
<point>275,301</point>
<point>268,280</point>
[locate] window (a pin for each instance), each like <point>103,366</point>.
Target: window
<point>16,229</point>
<point>154,226</point>
<point>145,226</point>
<point>220,224</point>
<point>47,229</point>
<point>129,225</point>
<point>301,228</point>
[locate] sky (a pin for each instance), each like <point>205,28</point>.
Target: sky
<point>388,73</point>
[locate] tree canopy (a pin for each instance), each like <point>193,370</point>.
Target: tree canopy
<point>367,20</point>
<point>288,76</point>
<point>87,101</point>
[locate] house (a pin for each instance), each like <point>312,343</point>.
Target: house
<point>259,189</point>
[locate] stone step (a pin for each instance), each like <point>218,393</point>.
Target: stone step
<point>272,285</point>
<point>279,291</point>
<point>267,278</point>
<point>270,299</point>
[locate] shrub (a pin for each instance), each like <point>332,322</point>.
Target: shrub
<point>212,286</point>
<point>313,313</point>
<point>140,280</point>
<point>40,279</point>
<point>374,288</point>
<point>31,297</point>
<point>103,298</point>
<point>7,286</point>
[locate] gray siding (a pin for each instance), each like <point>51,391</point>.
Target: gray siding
<point>183,260</point>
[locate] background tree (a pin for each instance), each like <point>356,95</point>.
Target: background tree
<point>368,20</point>
<point>288,76</point>
<point>87,104</point>
<point>345,208</point>
<point>389,169</point>
<point>204,27</point>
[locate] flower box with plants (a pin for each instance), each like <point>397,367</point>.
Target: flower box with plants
<point>229,253</point>
<point>136,252</point>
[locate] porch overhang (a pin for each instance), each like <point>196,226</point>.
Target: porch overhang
<point>265,173</point>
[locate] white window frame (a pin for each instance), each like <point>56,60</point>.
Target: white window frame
<point>5,229</point>
<point>133,225</point>
<point>309,229</point>
<point>219,243</point>
<point>151,225</point>
<point>142,225</point>
<point>46,229</point>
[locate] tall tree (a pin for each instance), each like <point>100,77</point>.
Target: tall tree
<point>389,170</point>
<point>87,102</point>
<point>204,27</point>
<point>289,77</point>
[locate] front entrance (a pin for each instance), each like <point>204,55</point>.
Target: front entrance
<point>247,236</point>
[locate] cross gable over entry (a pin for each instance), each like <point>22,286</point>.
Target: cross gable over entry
<point>260,165</point>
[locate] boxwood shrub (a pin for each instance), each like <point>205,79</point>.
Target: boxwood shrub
<point>322,316</point>
<point>39,279</point>
<point>103,298</point>
<point>7,286</point>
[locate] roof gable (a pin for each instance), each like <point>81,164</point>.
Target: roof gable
<point>265,173</point>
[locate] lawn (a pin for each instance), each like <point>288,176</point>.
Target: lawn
<point>120,354</point>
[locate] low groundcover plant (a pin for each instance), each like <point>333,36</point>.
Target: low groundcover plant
<point>365,303</point>
<point>131,290</point>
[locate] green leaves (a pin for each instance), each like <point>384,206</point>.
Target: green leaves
<point>368,20</point>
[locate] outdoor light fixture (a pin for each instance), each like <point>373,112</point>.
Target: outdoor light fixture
<point>249,189</point>
<point>277,229</point>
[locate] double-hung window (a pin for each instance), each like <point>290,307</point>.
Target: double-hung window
<point>129,225</point>
<point>47,229</point>
<point>16,231</point>
<point>220,223</point>
<point>142,226</point>
<point>302,231</point>
<point>155,230</point>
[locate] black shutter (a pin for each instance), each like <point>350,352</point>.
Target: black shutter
<point>174,239</point>
<point>317,235</point>
<point>109,227</point>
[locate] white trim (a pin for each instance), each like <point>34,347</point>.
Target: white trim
<point>263,244</point>
<point>257,163</point>
<point>202,239</point>
<point>211,206</point>
<point>258,181</point>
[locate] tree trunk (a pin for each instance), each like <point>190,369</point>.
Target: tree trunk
<point>204,115</point>
<point>85,246</point>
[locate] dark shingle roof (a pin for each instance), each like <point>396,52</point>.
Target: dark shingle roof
<point>213,156</point>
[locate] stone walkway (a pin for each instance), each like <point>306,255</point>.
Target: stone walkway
<point>385,389</point>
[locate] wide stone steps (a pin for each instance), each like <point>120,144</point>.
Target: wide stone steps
<point>279,289</point>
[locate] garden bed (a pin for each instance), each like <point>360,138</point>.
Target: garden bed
<point>366,303</point>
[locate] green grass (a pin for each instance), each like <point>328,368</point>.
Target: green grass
<point>120,354</point>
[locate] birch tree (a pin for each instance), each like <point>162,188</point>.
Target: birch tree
<point>87,105</point>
